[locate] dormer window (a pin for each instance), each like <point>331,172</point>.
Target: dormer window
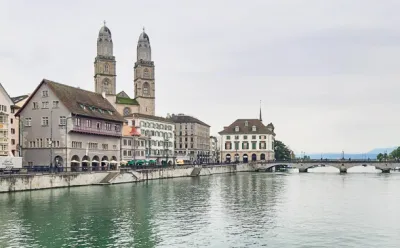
<point>253,128</point>
<point>237,129</point>
<point>246,123</point>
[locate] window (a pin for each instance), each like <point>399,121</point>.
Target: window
<point>228,137</point>
<point>129,142</point>
<point>145,88</point>
<point>98,125</point>
<point>108,126</point>
<point>92,145</point>
<point>63,120</point>
<point>245,137</point>
<point>88,123</point>
<point>106,67</point>
<point>12,141</point>
<point>125,142</point>
<point>129,153</point>
<point>127,111</point>
<point>77,122</point>
<point>254,137</point>
<point>12,131</point>
<point>245,145</point>
<point>236,145</point>
<point>35,105</point>
<point>253,145</point>
<point>124,152</point>
<point>262,145</point>
<point>12,120</point>
<point>55,104</point>
<point>45,121</point>
<point>117,128</point>
<point>28,121</point>
<point>146,73</point>
<point>45,104</point>
<point>253,128</point>
<point>236,137</point>
<point>45,93</point>
<point>237,129</point>
<point>104,146</point>
<point>246,123</point>
<point>12,110</point>
<point>115,147</point>
<point>76,144</point>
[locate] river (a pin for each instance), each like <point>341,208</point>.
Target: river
<point>227,210</point>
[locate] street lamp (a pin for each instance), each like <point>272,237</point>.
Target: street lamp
<point>66,140</point>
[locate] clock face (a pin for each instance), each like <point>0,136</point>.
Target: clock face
<point>127,111</point>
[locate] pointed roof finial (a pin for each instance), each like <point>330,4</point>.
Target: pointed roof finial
<point>260,112</point>
<point>143,29</point>
<point>104,23</point>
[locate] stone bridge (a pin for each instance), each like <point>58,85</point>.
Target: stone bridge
<point>342,165</point>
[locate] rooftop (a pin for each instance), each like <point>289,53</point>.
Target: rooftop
<point>246,127</point>
<point>181,118</point>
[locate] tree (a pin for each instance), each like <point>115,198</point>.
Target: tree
<point>395,154</point>
<point>282,152</point>
<point>379,157</point>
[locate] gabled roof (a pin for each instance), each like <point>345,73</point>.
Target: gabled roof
<point>7,95</point>
<point>80,102</point>
<point>186,119</point>
<point>243,129</point>
<point>123,94</point>
<point>17,99</point>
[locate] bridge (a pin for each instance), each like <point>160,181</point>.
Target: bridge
<point>341,164</point>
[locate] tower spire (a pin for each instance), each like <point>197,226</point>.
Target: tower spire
<point>260,112</point>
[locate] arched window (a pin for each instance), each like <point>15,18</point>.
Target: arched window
<point>127,111</point>
<point>146,88</point>
<point>106,67</point>
<point>146,73</point>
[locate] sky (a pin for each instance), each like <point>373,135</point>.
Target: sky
<point>326,72</point>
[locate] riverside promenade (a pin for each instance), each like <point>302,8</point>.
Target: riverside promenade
<point>23,182</point>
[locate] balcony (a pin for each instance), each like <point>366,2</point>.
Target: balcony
<point>3,153</point>
<point>94,130</point>
<point>3,126</point>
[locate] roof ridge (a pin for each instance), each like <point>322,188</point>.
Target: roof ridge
<point>69,86</point>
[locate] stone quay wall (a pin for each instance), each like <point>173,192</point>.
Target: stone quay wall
<point>12,183</point>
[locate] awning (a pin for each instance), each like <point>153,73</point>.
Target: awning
<point>95,161</point>
<point>245,156</point>
<point>113,162</point>
<point>104,161</point>
<point>85,161</point>
<point>75,161</point>
<point>228,155</point>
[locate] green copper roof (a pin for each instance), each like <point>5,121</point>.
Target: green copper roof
<point>125,100</point>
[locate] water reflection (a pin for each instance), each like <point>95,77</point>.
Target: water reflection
<point>234,210</point>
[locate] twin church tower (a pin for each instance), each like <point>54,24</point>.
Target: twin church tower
<point>105,76</point>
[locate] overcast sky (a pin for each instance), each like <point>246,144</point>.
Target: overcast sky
<point>327,72</point>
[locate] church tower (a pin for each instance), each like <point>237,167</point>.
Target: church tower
<point>104,63</point>
<point>144,76</point>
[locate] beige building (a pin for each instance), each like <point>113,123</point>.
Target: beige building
<point>192,138</point>
<point>18,101</point>
<point>7,132</point>
<point>133,144</point>
<point>105,76</point>
<point>247,140</point>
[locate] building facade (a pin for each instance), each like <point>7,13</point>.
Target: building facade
<point>247,140</point>
<point>7,132</point>
<point>70,128</point>
<point>133,144</point>
<point>18,101</point>
<point>158,135</point>
<point>192,138</point>
<point>214,150</point>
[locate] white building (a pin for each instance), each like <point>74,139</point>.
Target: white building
<point>8,136</point>
<point>247,140</point>
<point>158,133</point>
<point>214,150</point>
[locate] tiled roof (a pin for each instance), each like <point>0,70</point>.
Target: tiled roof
<point>81,102</point>
<point>187,119</point>
<point>126,100</point>
<point>243,129</point>
<point>150,117</point>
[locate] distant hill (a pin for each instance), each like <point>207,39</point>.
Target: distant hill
<point>371,154</point>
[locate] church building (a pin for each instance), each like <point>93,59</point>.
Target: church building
<point>105,76</point>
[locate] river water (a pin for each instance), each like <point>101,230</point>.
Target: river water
<point>228,210</point>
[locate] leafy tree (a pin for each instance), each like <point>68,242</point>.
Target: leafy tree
<point>379,157</point>
<point>282,152</point>
<point>395,154</point>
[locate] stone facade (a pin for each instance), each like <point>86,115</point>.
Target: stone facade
<point>105,64</point>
